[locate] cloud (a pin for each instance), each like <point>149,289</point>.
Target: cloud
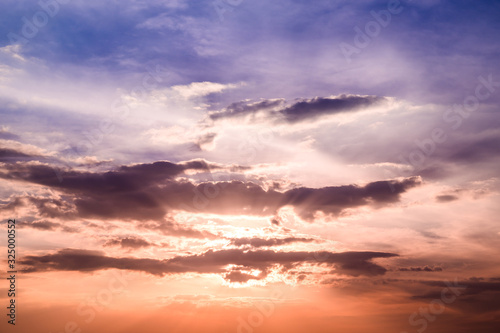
<point>239,277</point>
<point>194,138</point>
<point>430,234</point>
<point>333,200</point>
<point>316,107</point>
<point>6,135</point>
<point>349,263</point>
<point>261,242</point>
<point>205,141</point>
<point>170,227</point>
<point>446,198</point>
<point>301,110</point>
<point>420,269</point>
<point>148,191</point>
<point>244,108</point>
<point>478,148</point>
<point>475,295</point>
<point>123,179</point>
<point>129,243</point>
<point>472,286</point>
<point>40,225</point>
<point>48,207</point>
<point>10,155</point>
<point>199,89</point>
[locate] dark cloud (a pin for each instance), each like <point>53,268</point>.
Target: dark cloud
<point>125,178</point>
<point>420,269</point>
<point>313,108</point>
<point>203,141</point>
<point>333,200</point>
<point>238,276</point>
<point>52,207</point>
<point>40,225</point>
<point>446,198</point>
<point>245,108</point>
<point>349,263</point>
<point>300,110</point>
<point>125,192</point>
<point>129,243</point>
<point>430,234</point>
<point>237,197</point>
<point>149,191</point>
<point>261,242</point>
<point>473,296</point>
<point>275,222</point>
<point>464,148</point>
<point>10,155</point>
<point>472,286</point>
<point>477,149</point>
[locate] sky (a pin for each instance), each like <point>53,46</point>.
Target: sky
<point>251,166</point>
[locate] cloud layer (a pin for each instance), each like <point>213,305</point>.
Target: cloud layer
<point>349,263</point>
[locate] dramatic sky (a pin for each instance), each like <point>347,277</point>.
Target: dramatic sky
<point>251,166</point>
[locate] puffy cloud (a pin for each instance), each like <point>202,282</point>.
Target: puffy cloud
<point>198,89</point>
